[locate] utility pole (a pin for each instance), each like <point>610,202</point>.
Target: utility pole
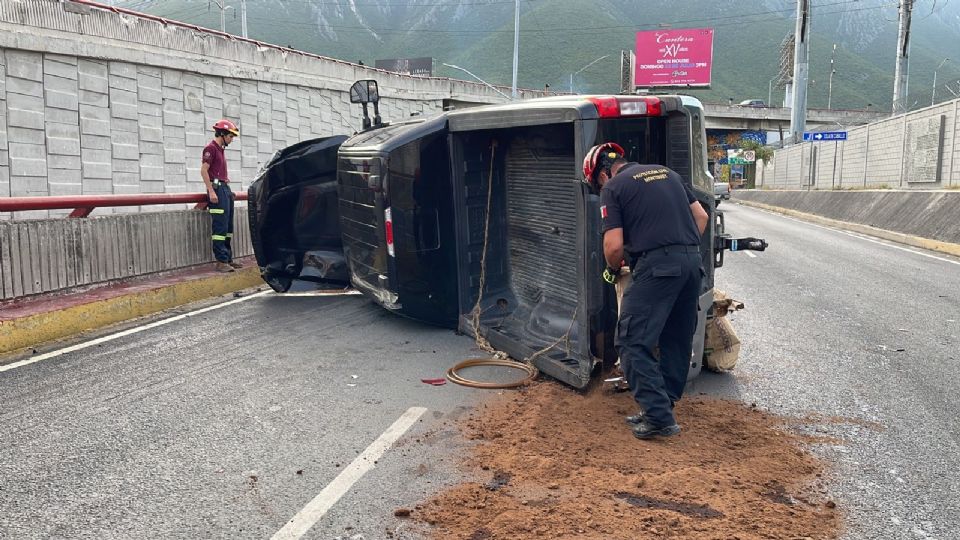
<point>902,71</point>
<point>832,71</point>
<point>243,18</point>
<point>516,47</point>
<point>801,50</point>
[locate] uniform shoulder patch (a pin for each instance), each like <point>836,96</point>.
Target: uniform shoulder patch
<point>603,211</point>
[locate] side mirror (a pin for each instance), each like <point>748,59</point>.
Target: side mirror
<point>364,91</point>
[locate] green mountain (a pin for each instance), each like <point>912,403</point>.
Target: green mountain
<point>558,38</point>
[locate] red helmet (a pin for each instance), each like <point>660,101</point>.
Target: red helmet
<point>228,126</point>
<point>598,158</point>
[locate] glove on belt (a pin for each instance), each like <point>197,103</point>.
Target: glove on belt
<point>610,275</point>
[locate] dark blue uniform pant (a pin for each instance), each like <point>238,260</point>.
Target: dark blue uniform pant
<point>221,219</point>
<point>660,308</point>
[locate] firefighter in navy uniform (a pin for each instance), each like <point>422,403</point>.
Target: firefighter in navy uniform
<point>651,219</point>
<point>213,169</point>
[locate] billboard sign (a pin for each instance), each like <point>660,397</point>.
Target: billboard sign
<point>671,58</point>
<point>422,67</point>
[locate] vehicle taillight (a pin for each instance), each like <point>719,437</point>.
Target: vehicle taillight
<point>607,107</point>
<point>388,230</point>
<point>640,107</point>
<point>612,107</point>
<point>654,106</point>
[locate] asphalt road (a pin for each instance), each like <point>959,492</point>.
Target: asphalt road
<point>197,429</point>
<point>863,337</point>
<point>228,423</point>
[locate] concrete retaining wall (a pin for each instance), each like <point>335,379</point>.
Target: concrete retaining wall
<point>94,101</point>
<point>47,255</point>
<point>925,214</point>
<point>919,150</point>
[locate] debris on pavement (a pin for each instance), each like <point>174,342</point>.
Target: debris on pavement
<point>550,462</point>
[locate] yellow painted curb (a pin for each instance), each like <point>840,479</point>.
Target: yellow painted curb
<point>910,240</point>
<point>32,330</point>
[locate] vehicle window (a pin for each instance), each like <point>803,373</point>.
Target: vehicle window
<point>698,136</point>
<point>641,138</point>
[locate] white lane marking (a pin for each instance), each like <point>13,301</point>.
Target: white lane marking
<point>315,509</point>
<point>750,254</point>
<point>858,235</point>
<point>111,337</point>
<point>351,292</point>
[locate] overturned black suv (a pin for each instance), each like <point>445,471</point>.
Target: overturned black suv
<point>478,219</point>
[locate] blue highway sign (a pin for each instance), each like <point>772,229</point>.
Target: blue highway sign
<point>818,136</point>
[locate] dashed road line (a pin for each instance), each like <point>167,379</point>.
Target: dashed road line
<point>315,509</point>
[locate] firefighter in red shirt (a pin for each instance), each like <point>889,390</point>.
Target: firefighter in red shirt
<point>214,172</point>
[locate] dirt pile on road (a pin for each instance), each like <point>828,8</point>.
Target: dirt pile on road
<point>553,463</point>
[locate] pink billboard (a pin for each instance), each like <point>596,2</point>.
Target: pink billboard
<point>680,57</point>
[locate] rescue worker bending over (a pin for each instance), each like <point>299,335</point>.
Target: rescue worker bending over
<point>652,217</point>
<point>213,169</point>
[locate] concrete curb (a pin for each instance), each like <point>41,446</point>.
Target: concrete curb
<point>30,330</point>
<point>910,240</point>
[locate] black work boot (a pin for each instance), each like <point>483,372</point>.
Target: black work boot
<point>645,430</point>
<point>637,418</point>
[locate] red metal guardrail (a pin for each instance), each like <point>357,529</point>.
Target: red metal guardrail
<point>83,205</point>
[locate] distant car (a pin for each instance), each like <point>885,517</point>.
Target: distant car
<point>721,191</point>
<point>752,103</point>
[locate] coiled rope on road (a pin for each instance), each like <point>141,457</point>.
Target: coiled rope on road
<point>455,377</point>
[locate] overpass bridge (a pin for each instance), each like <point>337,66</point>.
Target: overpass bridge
<point>733,117</point>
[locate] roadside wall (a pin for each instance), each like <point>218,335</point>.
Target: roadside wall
<point>925,214</point>
<point>919,150</point>
<point>94,101</point>
<point>47,255</point>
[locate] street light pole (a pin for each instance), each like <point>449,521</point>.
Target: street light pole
<point>770,92</point>
<point>583,68</point>
<point>933,96</point>
<point>516,47</point>
<point>222,5</point>
<point>832,71</point>
<point>243,18</point>
<point>479,79</point>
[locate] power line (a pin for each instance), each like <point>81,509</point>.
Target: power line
<point>193,10</point>
<point>741,18</point>
<point>136,5</point>
<point>740,22</point>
